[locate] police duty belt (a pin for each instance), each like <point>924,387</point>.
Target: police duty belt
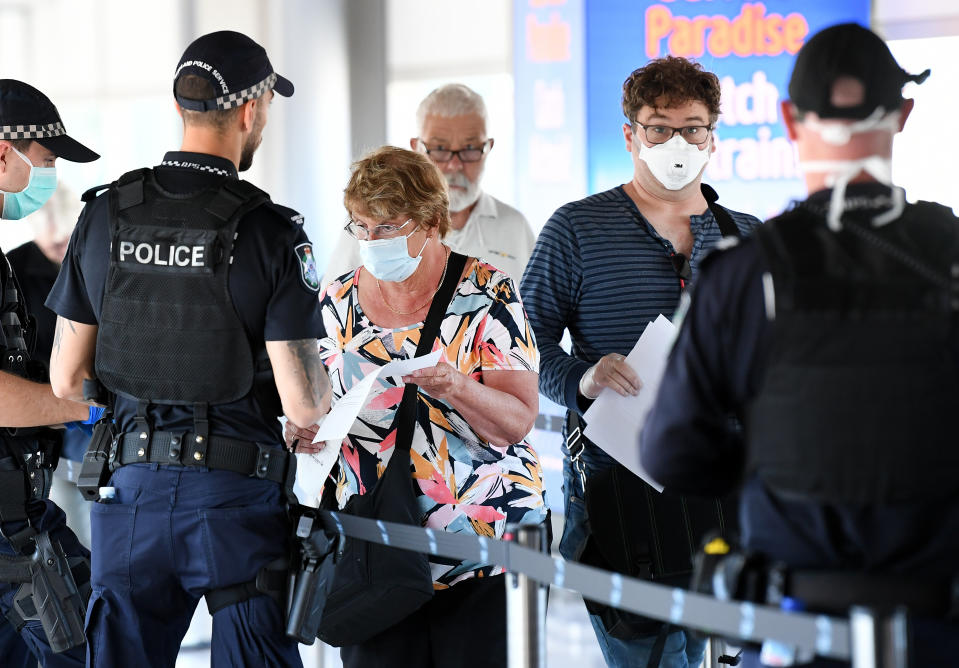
<point>826,636</point>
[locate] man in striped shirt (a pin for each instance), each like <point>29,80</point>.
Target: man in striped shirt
<point>607,265</point>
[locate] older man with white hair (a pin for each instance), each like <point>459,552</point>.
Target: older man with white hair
<point>452,132</point>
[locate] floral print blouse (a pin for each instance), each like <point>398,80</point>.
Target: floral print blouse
<point>465,484</point>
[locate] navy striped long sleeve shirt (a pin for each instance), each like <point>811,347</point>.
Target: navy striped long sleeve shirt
<point>602,271</point>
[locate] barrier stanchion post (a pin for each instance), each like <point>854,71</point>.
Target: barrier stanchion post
<point>714,649</point>
<point>877,640</point>
<point>526,607</point>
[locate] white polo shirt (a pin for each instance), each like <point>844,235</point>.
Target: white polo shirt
<point>494,232</point>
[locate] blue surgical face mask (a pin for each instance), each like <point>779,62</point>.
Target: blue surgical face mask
<point>40,187</point>
<point>389,259</point>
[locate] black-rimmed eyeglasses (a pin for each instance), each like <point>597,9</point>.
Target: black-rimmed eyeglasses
<point>383,231</point>
<point>468,154</point>
<point>660,134</point>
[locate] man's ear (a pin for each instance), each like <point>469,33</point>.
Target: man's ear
<point>904,112</point>
<point>789,118</point>
<point>248,114</point>
<point>4,156</point>
<point>414,143</point>
<point>628,136</point>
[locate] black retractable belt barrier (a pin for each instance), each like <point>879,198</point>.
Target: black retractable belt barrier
<point>822,634</point>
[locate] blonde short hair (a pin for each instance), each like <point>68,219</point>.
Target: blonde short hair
<point>392,181</point>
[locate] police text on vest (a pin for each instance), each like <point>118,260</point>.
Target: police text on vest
<point>163,255</point>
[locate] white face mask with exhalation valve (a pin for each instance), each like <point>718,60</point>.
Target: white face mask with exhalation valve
<point>675,163</point>
<point>840,172</point>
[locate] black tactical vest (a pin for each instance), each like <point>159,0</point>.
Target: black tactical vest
<point>27,455</point>
<point>15,322</point>
<point>859,400</point>
<point>168,330</point>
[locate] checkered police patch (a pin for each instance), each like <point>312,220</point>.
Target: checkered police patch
<point>241,96</point>
<point>32,131</point>
<point>308,272</point>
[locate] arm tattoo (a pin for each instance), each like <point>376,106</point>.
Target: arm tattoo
<point>308,358</point>
<point>57,335</point>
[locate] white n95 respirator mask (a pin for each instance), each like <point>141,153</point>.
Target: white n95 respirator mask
<point>675,163</point>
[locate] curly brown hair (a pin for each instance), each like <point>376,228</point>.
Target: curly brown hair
<point>670,82</point>
<point>391,181</point>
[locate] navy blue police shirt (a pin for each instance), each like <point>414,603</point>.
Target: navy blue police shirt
<point>690,445</point>
<point>273,290</point>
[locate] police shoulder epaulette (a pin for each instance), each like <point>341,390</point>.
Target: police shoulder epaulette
<point>92,193</point>
<point>285,212</point>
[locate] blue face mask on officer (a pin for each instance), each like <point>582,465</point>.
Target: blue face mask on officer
<point>389,259</point>
<point>39,189</point>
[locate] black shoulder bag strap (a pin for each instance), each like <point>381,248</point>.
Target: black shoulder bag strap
<point>726,223</point>
<point>406,415</point>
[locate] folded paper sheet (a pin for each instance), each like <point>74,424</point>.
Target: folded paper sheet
<point>312,469</point>
<point>614,422</point>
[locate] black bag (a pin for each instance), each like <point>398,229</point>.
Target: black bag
<point>374,586</point>
<point>637,531</point>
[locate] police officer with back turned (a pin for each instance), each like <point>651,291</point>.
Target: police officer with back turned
<point>193,299</point>
<point>32,137</point>
<point>834,334</point>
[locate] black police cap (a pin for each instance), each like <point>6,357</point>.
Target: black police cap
<point>238,68</point>
<point>26,113</point>
<point>847,50</point>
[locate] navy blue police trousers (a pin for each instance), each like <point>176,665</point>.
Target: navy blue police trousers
<point>170,535</point>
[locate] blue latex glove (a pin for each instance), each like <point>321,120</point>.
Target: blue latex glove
<point>96,412</point>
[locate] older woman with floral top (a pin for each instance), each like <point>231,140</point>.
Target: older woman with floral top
<point>472,470</point>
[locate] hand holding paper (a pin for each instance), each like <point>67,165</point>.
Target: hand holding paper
<point>312,471</point>
<point>612,371</point>
<point>614,422</point>
<point>339,420</point>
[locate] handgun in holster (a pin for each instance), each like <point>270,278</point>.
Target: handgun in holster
<point>95,469</point>
<point>312,574</point>
<point>50,591</point>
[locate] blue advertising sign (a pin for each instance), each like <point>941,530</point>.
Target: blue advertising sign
<point>549,71</point>
<point>749,45</point>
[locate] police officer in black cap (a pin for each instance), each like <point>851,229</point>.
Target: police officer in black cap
<point>833,333</point>
<point>32,137</point>
<point>182,286</point>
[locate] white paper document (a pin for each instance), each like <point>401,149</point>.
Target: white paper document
<point>613,422</point>
<point>339,420</point>
<point>312,470</point>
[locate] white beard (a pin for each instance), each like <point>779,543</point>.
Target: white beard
<point>462,199</point>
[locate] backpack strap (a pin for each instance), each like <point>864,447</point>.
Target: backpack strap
<point>406,415</point>
<point>725,221</point>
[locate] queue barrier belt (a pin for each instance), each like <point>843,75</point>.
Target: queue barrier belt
<point>825,635</point>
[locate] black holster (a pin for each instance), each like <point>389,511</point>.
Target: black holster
<point>95,470</point>
<point>55,591</point>
<point>312,575</point>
